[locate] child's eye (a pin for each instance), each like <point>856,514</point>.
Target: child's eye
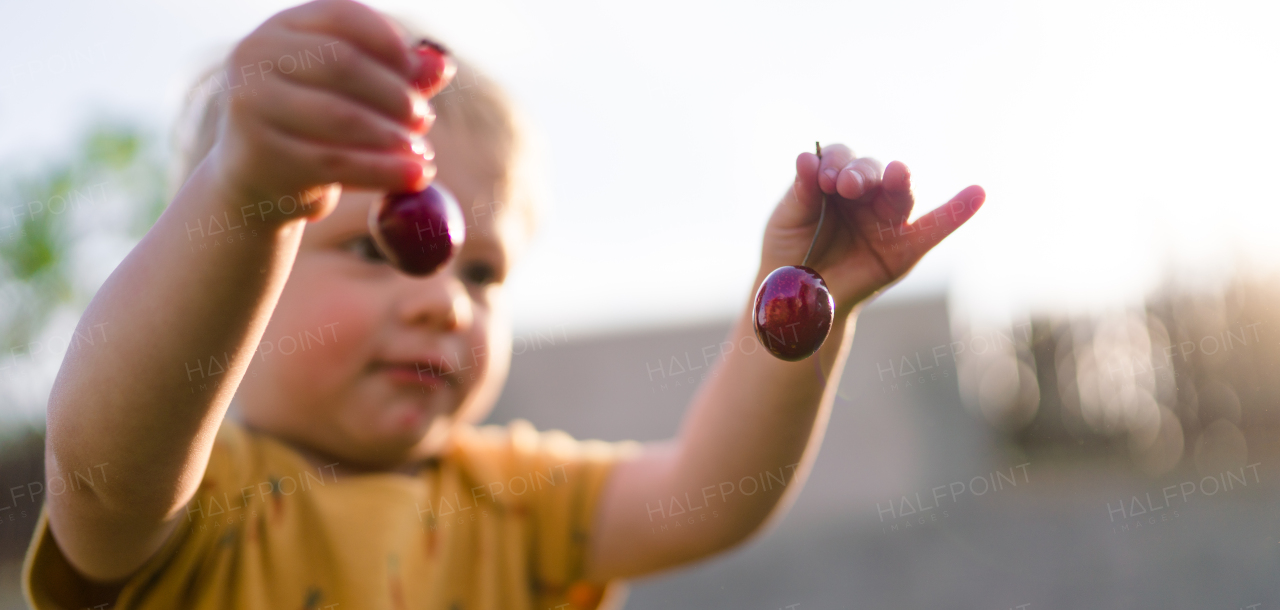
<point>365,248</point>
<point>479,273</point>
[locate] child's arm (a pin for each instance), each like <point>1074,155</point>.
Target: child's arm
<point>145,405</point>
<point>757,414</point>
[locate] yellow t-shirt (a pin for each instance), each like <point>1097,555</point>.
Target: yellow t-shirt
<point>501,520</point>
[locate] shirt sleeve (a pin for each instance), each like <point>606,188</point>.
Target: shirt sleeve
<point>50,582</point>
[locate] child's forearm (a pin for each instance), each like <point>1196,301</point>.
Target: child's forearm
<point>756,416</point>
<point>746,444</point>
<point>146,403</point>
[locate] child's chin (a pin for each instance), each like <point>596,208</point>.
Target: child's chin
<point>407,422</point>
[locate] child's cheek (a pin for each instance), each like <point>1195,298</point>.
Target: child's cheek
<point>331,323</point>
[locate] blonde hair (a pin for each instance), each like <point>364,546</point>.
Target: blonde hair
<point>471,103</point>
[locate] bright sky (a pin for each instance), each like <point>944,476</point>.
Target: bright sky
<point>1116,141</point>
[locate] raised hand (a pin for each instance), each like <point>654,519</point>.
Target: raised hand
<point>865,244</point>
<point>325,96</point>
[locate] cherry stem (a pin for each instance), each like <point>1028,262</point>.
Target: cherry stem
<point>821,214</point>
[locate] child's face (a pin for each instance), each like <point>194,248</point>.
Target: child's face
<point>339,369</point>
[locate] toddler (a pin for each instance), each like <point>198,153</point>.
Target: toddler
<point>353,472</point>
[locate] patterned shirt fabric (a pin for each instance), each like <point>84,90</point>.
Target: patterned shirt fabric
<point>500,521</point>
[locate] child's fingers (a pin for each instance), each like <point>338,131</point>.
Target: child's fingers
<point>326,117</point>
<point>834,158</point>
<point>406,36</point>
<point>320,163</point>
<point>930,229</point>
<point>357,75</point>
<point>805,194</point>
<point>858,177</point>
<point>357,24</point>
<point>896,183</point>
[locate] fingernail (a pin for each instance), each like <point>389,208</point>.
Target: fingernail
<point>420,175</point>
<point>420,146</point>
<point>421,109</point>
<point>423,117</point>
<point>830,174</point>
<point>857,178</point>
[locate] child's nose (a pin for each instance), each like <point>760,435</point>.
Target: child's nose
<point>439,301</point>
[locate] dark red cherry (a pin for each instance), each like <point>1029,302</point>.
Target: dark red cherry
<point>418,232</point>
<point>436,67</point>
<point>793,312</point>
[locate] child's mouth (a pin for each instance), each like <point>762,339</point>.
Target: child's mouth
<point>425,374</point>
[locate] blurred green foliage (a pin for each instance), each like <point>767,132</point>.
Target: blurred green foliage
<point>111,185</point>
